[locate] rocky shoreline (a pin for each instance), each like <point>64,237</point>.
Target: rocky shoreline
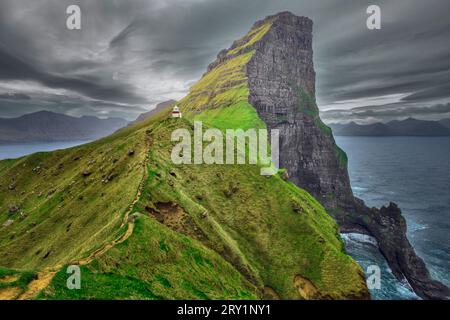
<point>388,227</point>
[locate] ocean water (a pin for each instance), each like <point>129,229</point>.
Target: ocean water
<point>414,172</point>
<point>18,150</point>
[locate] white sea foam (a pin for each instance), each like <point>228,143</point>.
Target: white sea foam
<point>405,290</point>
<point>360,238</point>
<point>415,226</point>
<point>358,189</point>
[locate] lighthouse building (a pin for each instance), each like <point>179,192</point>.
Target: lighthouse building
<point>176,112</point>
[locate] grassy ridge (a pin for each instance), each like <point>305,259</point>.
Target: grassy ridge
<point>278,230</point>
<point>221,87</point>
<point>204,231</point>
<point>263,231</point>
<point>237,116</point>
<point>251,38</point>
<point>259,231</point>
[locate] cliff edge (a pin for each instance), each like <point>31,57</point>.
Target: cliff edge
<point>281,87</point>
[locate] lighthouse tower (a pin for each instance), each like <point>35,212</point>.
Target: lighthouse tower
<point>176,112</point>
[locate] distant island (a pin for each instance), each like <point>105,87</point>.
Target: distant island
<point>46,126</point>
<point>407,127</point>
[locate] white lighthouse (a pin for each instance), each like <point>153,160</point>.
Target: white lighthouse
<point>176,112</point>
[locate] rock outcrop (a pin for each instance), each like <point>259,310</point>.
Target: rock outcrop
<point>388,226</point>
<point>281,82</point>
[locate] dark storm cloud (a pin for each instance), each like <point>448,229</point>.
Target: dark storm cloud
<point>13,68</point>
<point>71,105</point>
<point>437,92</point>
<point>14,96</point>
<point>133,54</point>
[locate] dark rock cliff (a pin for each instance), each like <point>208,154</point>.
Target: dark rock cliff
<point>281,80</point>
<point>388,226</point>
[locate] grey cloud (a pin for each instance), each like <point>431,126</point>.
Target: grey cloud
<point>71,105</point>
<point>133,54</point>
<point>437,92</point>
<point>13,68</point>
<point>14,96</point>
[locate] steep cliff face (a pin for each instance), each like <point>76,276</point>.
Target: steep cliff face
<point>281,79</point>
<point>270,70</point>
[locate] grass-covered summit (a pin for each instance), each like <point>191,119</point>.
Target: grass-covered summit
<point>142,227</point>
<point>221,97</point>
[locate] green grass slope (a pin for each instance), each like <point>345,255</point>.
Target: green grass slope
<point>65,204</point>
<point>155,263</point>
<point>256,232</point>
<point>263,231</point>
<point>203,231</point>
<point>268,228</point>
<point>220,97</point>
<point>14,282</point>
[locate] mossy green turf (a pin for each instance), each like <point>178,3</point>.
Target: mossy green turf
<point>264,233</point>
<point>237,116</point>
<point>67,214</point>
<point>238,231</point>
<point>271,229</point>
<point>155,263</point>
<point>22,281</point>
<point>251,38</point>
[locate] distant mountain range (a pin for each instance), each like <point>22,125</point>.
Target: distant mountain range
<point>158,108</point>
<point>408,127</point>
<point>49,126</point>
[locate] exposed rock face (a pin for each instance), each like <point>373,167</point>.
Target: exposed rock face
<point>282,89</point>
<point>388,226</point>
<point>281,82</point>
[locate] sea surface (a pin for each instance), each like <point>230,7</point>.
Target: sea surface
<point>414,172</point>
<point>18,150</point>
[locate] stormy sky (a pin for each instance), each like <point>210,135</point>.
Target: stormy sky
<point>130,55</point>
